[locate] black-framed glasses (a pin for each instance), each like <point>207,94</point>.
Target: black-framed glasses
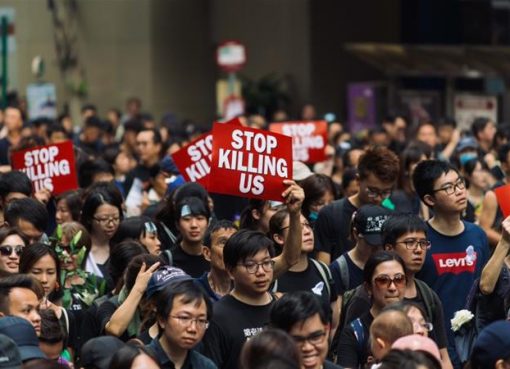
<point>412,243</point>
<point>7,250</point>
<point>304,225</point>
<point>107,220</point>
<point>451,188</point>
<point>384,280</point>
<point>252,267</point>
<point>186,321</point>
<point>374,193</point>
<point>315,338</point>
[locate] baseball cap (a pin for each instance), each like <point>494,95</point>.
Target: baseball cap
<point>164,276</point>
<point>167,165</point>
<point>98,352</point>
<point>10,357</point>
<point>491,345</point>
<point>368,221</point>
<point>466,143</point>
<point>300,171</point>
<point>23,334</point>
<point>415,342</point>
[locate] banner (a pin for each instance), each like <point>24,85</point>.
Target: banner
<point>194,159</point>
<point>248,162</point>
<point>503,197</point>
<point>51,166</point>
<point>309,139</point>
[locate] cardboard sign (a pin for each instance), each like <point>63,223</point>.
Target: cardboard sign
<point>248,162</point>
<point>194,159</point>
<point>309,139</point>
<point>51,166</point>
<point>503,196</point>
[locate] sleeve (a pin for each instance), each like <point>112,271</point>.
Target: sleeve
<point>104,313</point>
<point>323,232</point>
<point>334,268</point>
<point>215,344</point>
<point>348,349</point>
<point>439,333</point>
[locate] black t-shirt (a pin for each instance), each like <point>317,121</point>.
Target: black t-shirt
<point>309,279</point>
<point>351,352</point>
<point>332,228</point>
<point>194,265</point>
<point>104,314</point>
<point>232,324</point>
<point>405,203</point>
<point>355,275</point>
<point>4,151</point>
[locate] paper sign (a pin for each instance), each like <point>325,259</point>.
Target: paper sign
<point>194,159</point>
<point>503,196</point>
<point>309,139</point>
<point>51,166</point>
<point>249,162</point>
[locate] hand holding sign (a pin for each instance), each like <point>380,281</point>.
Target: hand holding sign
<point>294,196</point>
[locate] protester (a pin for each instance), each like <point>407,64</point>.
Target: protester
<point>492,347</point>
<point>12,243</point>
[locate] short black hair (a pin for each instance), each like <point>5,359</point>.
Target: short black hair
<point>88,107</point>
<point>51,330</point>
<point>94,121</point>
<point>446,122</point>
<point>156,135</point>
<point>28,209</point>
<point>131,228</point>
<point>191,292</point>
<point>15,181</point>
<point>479,125</point>
<point>133,125</point>
<point>216,226</point>
<point>399,224</point>
<point>295,307</point>
<point>90,168</point>
<point>17,281</point>
<point>243,244</point>
<point>427,172</point>
<point>503,153</point>
<point>54,128</point>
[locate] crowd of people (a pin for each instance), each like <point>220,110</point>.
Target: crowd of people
<point>391,253</point>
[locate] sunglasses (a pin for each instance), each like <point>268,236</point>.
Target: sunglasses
<point>385,280</point>
<point>8,250</point>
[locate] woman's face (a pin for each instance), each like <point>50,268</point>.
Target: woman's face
<point>479,178</point>
<point>63,213</point>
<point>45,271</point>
<point>388,283</point>
<point>418,320</point>
<point>10,251</point>
<point>326,199</point>
<point>151,242</point>
<point>123,163</point>
<point>307,238</point>
<point>68,261</point>
<point>105,221</point>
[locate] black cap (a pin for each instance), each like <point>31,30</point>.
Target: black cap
<point>368,221</point>
<point>98,352</point>
<point>23,334</point>
<point>10,357</point>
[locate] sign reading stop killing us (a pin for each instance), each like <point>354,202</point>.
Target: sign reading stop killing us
<point>309,139</point>
<point>194,159</point>
<point>248,162</point>
<point>51,166</point>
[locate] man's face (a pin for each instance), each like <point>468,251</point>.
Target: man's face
<point>29,230</point>
<point>311,337</point>
<point>185,326</point>
<point>427,134</point>
<point>373,191</point>
<point>23,303</point>
<point>193,227</point>
<point>445,134</point>
<point>11,196</point>
<point>412,248</point>
<point>13,119</point>
<point>450,193</point>
<point>214,254</point>
<point>253,276</point>
<point>487,134</point>
<point>57,137</point>
<point>400,129</point>
<point>146,148</point>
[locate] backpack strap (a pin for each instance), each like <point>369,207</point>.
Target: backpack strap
<point>274,289</point>
<point>359,333</point>
<point>168,255</point>
<point>344,271</point>
<point>325,274</point>
<point>428,298</point>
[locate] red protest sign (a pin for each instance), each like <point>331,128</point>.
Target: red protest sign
<point>194,159</point>
<point>51,166</point>
<point>503,196</point>
<point>309,139</point>
<point>248,162</point>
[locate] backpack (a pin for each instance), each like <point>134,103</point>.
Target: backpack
<point>344,270</point>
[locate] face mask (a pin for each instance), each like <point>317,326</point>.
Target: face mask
<point>464,158</point>
<point>312,217</point>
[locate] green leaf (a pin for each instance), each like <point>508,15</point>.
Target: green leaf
<point>59,232</point>
<point>75,240</point>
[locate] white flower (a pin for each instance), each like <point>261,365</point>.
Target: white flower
<point>460,318</point>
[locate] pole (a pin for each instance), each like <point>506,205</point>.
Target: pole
<point>4,61</point>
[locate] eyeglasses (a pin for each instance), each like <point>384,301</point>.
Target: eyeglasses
<point>252,267</point>
<point>186,321</point>
<point>7,250</point>
<point>373,193</point>
<point>451,188</point>
<point>107,220</point>
<point>426,325</point>
<point>315,338</point>
<point>412,243</point>
<point>304,225</point>
<point>385,280</point>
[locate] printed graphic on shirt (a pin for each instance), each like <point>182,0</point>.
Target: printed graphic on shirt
<point>455,262</point>
<point>318,288</point>
<point>250,332</point>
